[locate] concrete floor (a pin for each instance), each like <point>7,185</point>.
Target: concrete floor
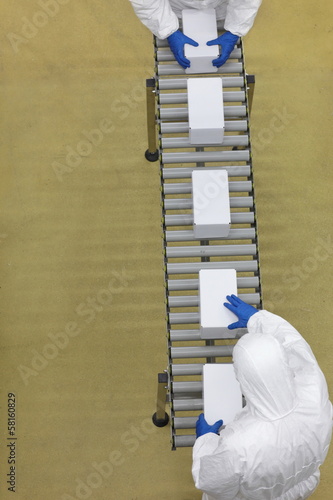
<point>80,236</point>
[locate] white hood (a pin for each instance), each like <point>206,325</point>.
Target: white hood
<point>265,377</point>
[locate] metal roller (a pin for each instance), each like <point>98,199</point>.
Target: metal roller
<point>217,351</point>
<point>184,441</point>
<point>186,187</point>
<point>183,127</point>
<point>184,318</point>
<point>182,97</point>
<point>189,369</point>
<point>183,301</point>
<point>175,69</point>
<point>182,113</point>
<point>184,422</point>
<point>193,284</point>
<point>185,335</point>
<point>161,43</point>
<point>187,219</point>
<point>186,203</point>
<point>184,142</point>
<point>187,404</point>
<point>181,83</point>
<point>193,300</point>
<point>194,267</point>
<point>185,172</point>
<point>186,387</point>
<point>234,234</point>
<point>210,251</point>
<point>206,156</point>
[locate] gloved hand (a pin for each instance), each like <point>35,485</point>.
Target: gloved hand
<point>177,41</point>
<point>227,42</point>
<point>203,428</point>
<point>241,309</point>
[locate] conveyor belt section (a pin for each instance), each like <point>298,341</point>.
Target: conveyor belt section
<point>184,256</point>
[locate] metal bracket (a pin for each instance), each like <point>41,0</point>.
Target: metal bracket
<point>250,83</point>
<point>160,417</point>
<point>152,153</point>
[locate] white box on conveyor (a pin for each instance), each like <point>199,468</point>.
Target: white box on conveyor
<point>205,110</point>
<point>211,204</point>
<point>200,25</point>
<point>214,286</point>
<point>221,393</point>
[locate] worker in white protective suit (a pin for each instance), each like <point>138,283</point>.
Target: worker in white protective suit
<point>161,17</point>
<point>276,444</point>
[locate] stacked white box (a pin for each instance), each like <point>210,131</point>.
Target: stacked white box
<point>205,110</point>
<point>221,393</point>
<point>211,204</point>
<point>200,25</point>
<point>214,286</point>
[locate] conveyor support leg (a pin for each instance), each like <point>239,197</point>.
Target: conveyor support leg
<point>250,82</point>
<point>161,418</point>
<point>152,152</point>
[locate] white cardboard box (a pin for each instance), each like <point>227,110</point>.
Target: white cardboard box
<point>205,110</point>
<point>200,25</point>
<point>221,393</point>
<point>211,204</point>
<point>214,286</point>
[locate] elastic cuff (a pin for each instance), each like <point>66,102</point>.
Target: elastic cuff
<point>251,322</point>
<point>163,34</point>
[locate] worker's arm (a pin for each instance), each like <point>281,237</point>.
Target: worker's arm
<point>241,15</point>
<point>157,15</point>
<point>214,470</point>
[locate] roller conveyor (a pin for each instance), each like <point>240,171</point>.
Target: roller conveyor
<point>184,256</point>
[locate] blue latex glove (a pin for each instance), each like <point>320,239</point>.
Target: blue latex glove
<point>227,42</point>
<point>241,309</point>
<point>177,41</point>
<point>203,428</point>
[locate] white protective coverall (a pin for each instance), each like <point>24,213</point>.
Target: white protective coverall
<point>275,445</point>
<point>161,16</point>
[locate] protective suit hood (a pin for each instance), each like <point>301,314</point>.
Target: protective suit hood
<point>265,377</point>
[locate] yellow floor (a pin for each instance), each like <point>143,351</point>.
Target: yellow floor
<point>80,227</point>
